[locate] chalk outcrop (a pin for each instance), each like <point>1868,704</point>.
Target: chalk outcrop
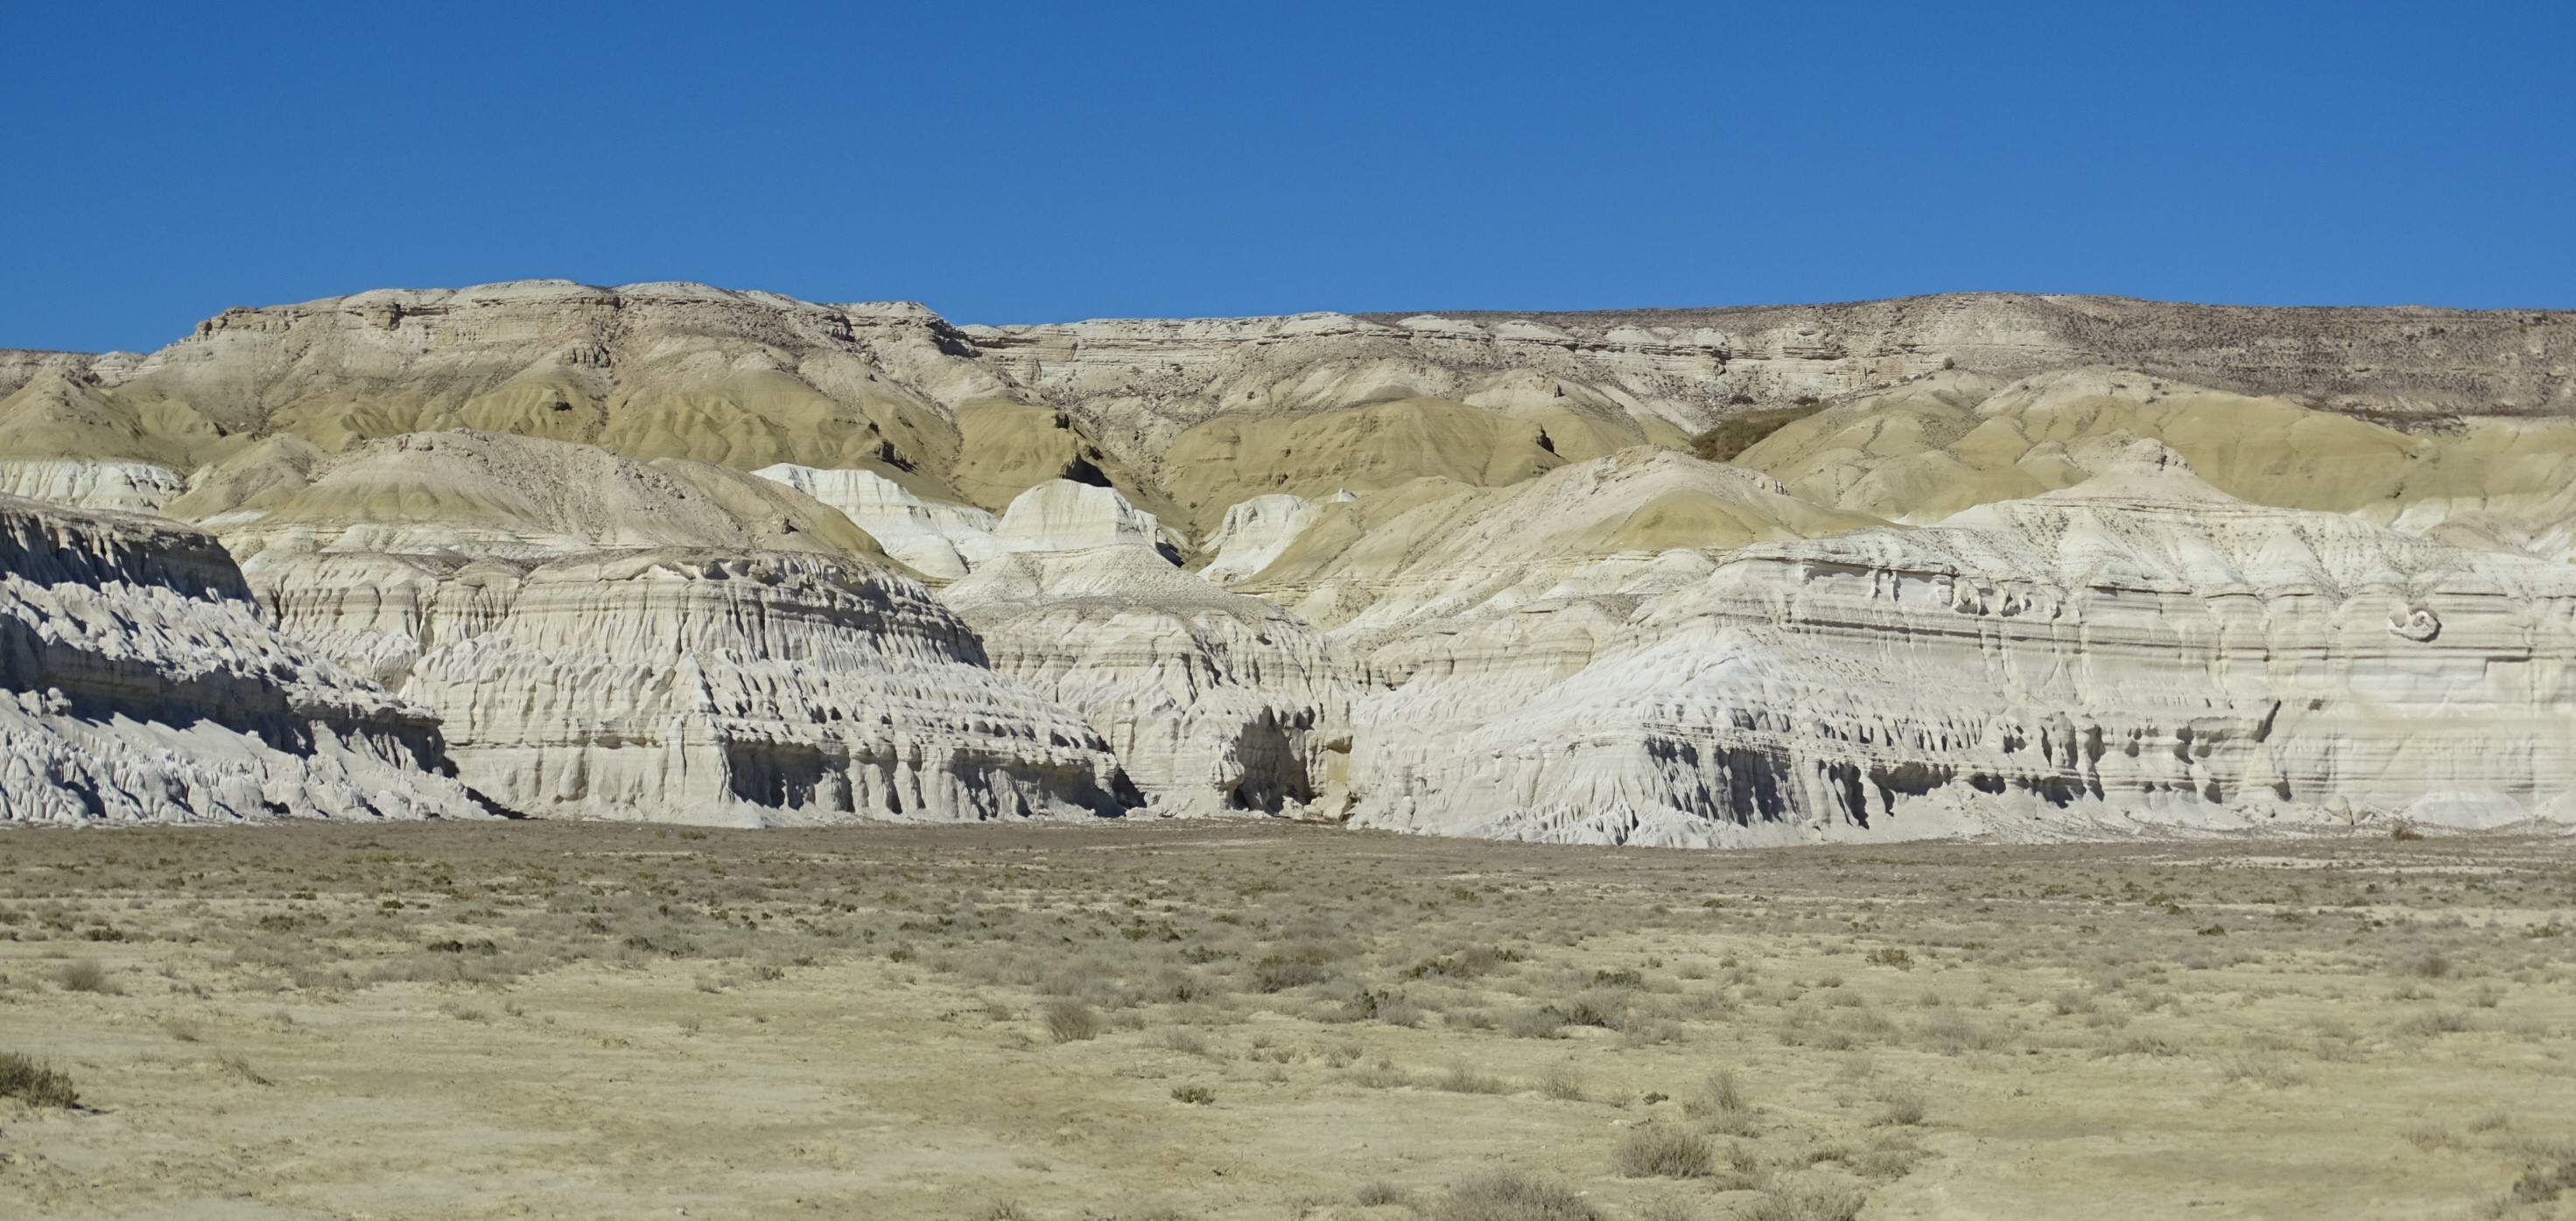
<point>764,689</point>
<point>1215,703</point>
<point>1061,515</point>
<point>937,539</point>
<point>1979,565</point>
<point>139,682</point>
<point>2139,652</point>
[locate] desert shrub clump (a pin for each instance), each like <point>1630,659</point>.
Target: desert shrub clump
<point>1509,1195</point>
<point>1654,1151</point>
<point>34,1083</point>
<point>1071,1021</point>
<point>83,975</point>
<point>1803,1204</point>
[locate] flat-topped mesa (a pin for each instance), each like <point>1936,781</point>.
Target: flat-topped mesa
<point>757,690</point>
<point>138,682</point>
<point>2138,653</point>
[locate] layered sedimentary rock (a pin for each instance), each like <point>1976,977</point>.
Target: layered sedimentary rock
<point>1930,447</point>
<point>937,539</point>
<point>1061,515</point>
<point>1432,557</point>
<point>139,682</point>
<point>121,486</point>
<point>1187,417</point>
<point>667,640</point>
<point>2138,652</point>
<point>1258,531</point>
<point>1214,702</point>
<point>649,552</point>
<point>751,690</point>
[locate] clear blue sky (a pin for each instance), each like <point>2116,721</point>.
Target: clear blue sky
<point>1020,162</point>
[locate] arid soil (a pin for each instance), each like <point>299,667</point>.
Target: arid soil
<point>1234,1021</point>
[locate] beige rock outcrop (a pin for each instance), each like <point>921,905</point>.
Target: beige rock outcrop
<point>1258,531</point>
<point>77,483</point>
<point>1061,515</point>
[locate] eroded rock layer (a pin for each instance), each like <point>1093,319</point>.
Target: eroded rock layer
<point>2138,652</point>
<point>142,684</point>
<point>762,689</point>
<point>1215,703</point>
<point>1983,564</point>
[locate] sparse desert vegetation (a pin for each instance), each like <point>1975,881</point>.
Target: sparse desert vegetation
<point>1221,1020</point>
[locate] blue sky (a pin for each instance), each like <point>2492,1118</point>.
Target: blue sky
<point>1021,162</point>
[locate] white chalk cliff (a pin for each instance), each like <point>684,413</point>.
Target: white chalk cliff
<point>1972,565</point>
<point>2137,652</point>
<point>754,690</point>
<point>1215,703</point>
<point>937,539</point>
<point>671,641</point>
<point>140,683</point>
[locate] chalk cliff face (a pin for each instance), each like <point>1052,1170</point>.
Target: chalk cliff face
<point>1216,703</point>
<point>1984,564</point>
<point>2137,652</point>
<point>671,640</point>
<point>752,690</point>
<point>140,682</point>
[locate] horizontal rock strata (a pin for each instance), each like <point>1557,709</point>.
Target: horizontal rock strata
<point>2139,652</point>
<point>140,682</point>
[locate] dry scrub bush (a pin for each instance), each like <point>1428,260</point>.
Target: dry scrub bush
<point>1383,1075</point>
<point>1381,1195</point>
<point>1562,1083</point>
<point>1901,1107</point>
<point>1720,1106</point>
<point>1460,1079</point>
<point>35,1084</point>
<point>1803,1204</point>
<point>1071,1021</point>
<point>1509,1195</point>
<point>1656,1151</point>
<point>1533,1024</point>
<point>2548,1175</point>
<point>1182,1039</point>
<point>84,975</point>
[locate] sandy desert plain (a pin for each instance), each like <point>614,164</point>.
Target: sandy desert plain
<point>1230,1020</point>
